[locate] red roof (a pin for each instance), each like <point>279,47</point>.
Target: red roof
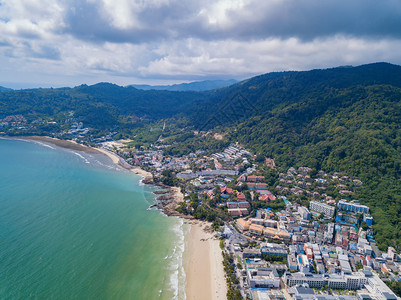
<point>242,178</point>
<point>264,197</point>
<point>240,196</point>
<point>251,185</point>
<point>226,190</point>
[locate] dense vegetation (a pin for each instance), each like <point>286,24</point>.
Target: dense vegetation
<point>233,292</point>
<point>275,259</point>
<point>341,119</point>
<point>395,286</point>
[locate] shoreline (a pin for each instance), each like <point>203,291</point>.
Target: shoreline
<point>68,144</point>
<point>147,176</point>
<point>202,258</point>
<point>167,203</point>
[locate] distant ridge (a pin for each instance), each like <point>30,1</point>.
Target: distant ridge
<point>198,86</point>
<point>4,89</point>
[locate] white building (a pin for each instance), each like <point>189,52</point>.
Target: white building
<point>377,288</point>
<point>320,207</point>
<point>353,281</point>
<point>303,263</point>
<point>352,207</point>
<point>304,212</point>
<point>263,278</point>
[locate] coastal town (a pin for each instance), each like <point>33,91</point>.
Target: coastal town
<point>200,150</point>
<point>285,233</point>
<point>298,234</point>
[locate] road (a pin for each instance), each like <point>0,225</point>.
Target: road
<point>236,237</point>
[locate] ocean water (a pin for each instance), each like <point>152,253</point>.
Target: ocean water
<point>75,226</point>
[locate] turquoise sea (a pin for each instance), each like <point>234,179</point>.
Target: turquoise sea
<point>75,226</point>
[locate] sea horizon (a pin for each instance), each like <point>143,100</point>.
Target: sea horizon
<point>74,225</point>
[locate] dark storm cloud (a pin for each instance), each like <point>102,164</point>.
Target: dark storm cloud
<point>304,19</point>
<point>307,19</point>
<point>84,21</point>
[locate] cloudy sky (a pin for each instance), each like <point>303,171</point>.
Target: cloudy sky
<point>70,42</point>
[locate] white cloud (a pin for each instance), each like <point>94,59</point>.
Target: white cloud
<point>236,58</point>
<point>218,12</point>
<point>126,41</point>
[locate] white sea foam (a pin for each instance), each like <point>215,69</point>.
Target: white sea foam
<point>44,145</point>
<point>81,156</point>
<point>177,280</point>
<point>105,166</point>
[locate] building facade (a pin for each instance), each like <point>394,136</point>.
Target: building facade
<point>352,207</point>
<point>320,207</point>
<point>352,281</point>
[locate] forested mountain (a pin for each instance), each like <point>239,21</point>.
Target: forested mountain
<point>102,105</point>
<point>260,95</point>
<point>341,119</point>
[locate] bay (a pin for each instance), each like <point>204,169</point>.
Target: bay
<point>75,226</point>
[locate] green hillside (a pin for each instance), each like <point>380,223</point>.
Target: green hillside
<point>262,94</point>
<point>102,106</point>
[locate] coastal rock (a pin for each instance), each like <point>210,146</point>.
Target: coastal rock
<point>147,180</point>
<point>160,192</point>
<point>164,197</point>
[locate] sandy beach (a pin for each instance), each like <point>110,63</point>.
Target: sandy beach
<point>117,160</point>
<point>112,156</point>
<point>204,268</point>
